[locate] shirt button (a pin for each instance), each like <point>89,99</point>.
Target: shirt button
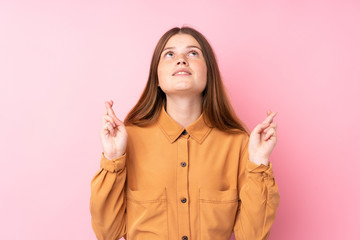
<point>184,132</point>
<point>184,238</point>
<point>183,164</point>
<point>183,200</point>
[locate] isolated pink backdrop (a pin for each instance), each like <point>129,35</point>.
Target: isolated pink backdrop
<point>60,61</point>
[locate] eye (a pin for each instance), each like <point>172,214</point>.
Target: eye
<point>193,53</point>
<point>169,54</point>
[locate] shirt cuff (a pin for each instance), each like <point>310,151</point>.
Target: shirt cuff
<point>254,168</point>
<point>113,165</point>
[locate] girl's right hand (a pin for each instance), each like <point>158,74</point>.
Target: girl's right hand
<point>113,134</point>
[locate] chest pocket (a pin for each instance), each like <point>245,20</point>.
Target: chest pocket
<point>147,214</point>
<point>217,213</point>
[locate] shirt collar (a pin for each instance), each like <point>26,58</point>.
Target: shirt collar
<point>198,130</point>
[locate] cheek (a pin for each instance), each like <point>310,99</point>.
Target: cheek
<point>159,69</point>
<point>160,72</point>
<point>163,68</point>
<point>203,72</point>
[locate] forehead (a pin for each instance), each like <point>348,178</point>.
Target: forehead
<point>182,40</point>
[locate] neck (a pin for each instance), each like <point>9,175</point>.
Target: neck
<point>184,110</point>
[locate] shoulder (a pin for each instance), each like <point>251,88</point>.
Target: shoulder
<point>239,137</point>
<point>135,129</point>
<point>238,134</point>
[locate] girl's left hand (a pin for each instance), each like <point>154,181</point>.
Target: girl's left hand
<point>262,140</point>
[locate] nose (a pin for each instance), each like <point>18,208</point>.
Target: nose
<point>181,60</point>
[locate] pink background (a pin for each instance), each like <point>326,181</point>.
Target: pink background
<point>60,60</point>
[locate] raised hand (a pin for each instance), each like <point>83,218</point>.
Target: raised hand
<point>263,140</point>
<point>113,134</point>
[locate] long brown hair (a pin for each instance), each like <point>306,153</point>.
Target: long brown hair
<point>216,106</point>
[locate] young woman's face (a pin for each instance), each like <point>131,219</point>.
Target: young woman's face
<point>182,67</point>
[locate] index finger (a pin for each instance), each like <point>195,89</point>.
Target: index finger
<point>270,118</point>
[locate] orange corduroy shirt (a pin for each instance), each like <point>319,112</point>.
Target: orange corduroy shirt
<point>175,183</point>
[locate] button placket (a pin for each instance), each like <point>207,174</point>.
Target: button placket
<point>182,188</point>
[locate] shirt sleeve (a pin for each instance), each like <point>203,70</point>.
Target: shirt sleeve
<point>108,199</point>
<point>258,199</point>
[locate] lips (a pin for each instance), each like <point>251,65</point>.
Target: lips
<point>182,71</point>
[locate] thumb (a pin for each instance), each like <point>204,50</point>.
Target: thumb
<point>121,126</point>
<point>118,121</point>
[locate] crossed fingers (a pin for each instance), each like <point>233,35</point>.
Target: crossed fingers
<point>110,114</point>
<point>270,130</point>
<point>270,117</point>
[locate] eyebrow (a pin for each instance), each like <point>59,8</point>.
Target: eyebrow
<point>191,46</point>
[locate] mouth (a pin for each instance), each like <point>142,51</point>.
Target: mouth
<point>182,72</point>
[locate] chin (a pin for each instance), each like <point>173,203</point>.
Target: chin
<point>179,90</point>
<point>183,86</point>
